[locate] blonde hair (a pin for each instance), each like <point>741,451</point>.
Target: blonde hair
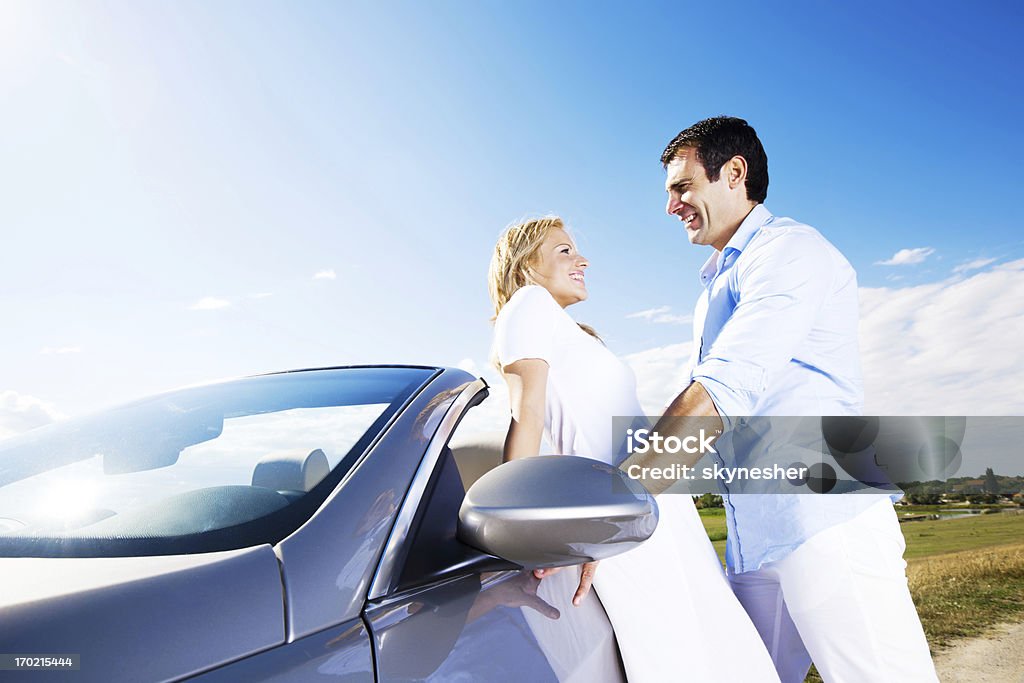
<point>514,253</point>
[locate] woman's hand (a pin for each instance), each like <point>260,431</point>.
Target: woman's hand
<point>517,591</point>
<point>586,579</point>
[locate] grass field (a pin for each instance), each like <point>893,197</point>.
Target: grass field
<point>934,537</point>
<point>924,538</point>
<point>965,574</point>
<point>960,594</point>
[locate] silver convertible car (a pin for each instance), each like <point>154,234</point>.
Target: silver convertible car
<point>318,525</point>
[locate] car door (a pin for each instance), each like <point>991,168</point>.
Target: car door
<point>439,610</point>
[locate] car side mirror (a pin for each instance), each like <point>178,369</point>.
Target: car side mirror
<point>555,511</point>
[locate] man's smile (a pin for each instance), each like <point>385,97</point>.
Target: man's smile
<point>688,215</point>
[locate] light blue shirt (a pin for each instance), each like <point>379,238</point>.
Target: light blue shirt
<point>775,333</point>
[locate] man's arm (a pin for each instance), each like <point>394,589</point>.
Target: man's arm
<point>689,412</point>
<point>694,401</point>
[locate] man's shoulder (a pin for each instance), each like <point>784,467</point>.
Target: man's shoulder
<point>789,230</point>
<point>781,233</point>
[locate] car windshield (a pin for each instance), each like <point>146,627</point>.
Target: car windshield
<point>207,468</point>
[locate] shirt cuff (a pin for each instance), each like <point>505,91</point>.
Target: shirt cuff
<point>734,387</point>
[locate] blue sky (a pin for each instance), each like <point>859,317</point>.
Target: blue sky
<point>176,175</point>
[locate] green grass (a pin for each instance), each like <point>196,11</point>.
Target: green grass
<point>714,524</point>
<point>924,538</point>
<point>945,507</point>
<point>936,537</point>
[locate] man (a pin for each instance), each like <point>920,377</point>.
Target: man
<point>775,333</point>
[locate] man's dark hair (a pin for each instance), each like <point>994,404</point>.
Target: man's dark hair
<point>719,139</point>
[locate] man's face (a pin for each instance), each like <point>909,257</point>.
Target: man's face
<point>701,205</point>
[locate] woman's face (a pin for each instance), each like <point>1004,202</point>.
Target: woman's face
<point>558,268</point>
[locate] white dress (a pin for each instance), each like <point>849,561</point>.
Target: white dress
<point>674,614</point>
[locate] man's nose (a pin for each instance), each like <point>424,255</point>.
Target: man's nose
<point>672,205</point>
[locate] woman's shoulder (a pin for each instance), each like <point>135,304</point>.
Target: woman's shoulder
<point>527,326</point>
<point>532,293</point>
<point>530,300</point>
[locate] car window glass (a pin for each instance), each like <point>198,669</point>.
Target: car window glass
<point>68,497</point>
<point>193,462</point>
<point>435,552</point>
<point>478,440</point>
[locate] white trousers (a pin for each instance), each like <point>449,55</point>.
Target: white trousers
<point>841,600</point>
<point>675,618</point>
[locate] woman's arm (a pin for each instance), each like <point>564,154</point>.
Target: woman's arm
<point>527,381</point>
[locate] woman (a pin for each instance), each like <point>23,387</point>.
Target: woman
<point>674,615</point>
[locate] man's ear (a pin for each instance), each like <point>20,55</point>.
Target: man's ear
<point>735,172</point>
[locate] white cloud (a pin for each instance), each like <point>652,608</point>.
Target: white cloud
<point>325,275</point>
<point>60,350</point>
<point>662,315</point>
<point>673,319</point>
<point>907,257</point>
<point>661,373</point>
<point>469,365</point>
<point>976,264</point>
<point>650,312</point>
<point>946,348</point>
<point>20,413</point>
<point>209,303</point>
<point>261,295</point>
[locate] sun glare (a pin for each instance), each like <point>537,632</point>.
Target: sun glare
<point>66,499</point>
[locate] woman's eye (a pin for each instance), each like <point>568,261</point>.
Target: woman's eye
<point>565,251</point>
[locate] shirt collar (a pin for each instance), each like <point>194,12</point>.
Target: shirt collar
<point>757,217</point>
